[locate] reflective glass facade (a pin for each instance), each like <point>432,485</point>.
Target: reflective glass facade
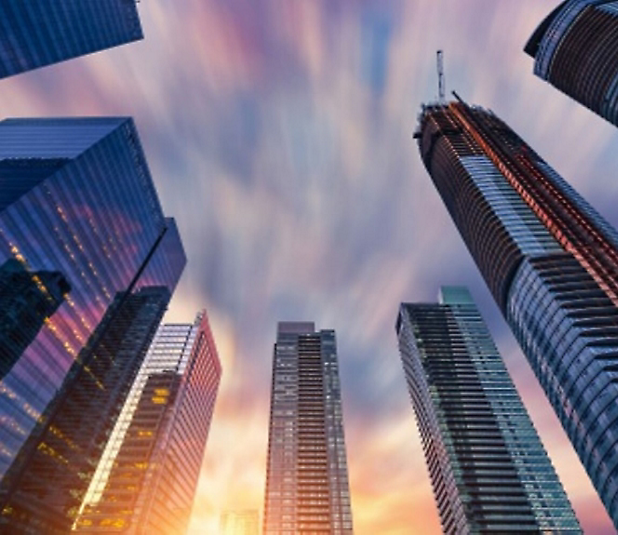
<point>488,468</point>
<point>146,480</point>
<point>550,261</point>
<point>36,33</point>
<point>307,488</point>
<point>575,50</point>
<point>79,217</point>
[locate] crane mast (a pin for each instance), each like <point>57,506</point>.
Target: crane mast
<point>441,91</point>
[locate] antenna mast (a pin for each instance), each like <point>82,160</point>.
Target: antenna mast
<point>441,92</point>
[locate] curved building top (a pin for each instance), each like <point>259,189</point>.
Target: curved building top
<point>576,50</point>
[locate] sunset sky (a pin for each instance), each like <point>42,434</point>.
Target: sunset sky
<point>279,134</point>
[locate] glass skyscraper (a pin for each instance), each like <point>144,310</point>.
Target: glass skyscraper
<point>83,236</point>
<point>574,49</point>
<point>550,261</point>
<point>146,480</point>
<point>36,33</point>
<point>307,488</point>
<point>488,468</point>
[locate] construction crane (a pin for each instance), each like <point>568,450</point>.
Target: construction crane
<point>441,91</point>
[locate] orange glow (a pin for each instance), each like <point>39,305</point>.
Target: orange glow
<point>593,263</point>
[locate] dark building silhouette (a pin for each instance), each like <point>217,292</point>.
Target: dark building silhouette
<point>488,468</point>
<point>26,301</point>
<point>38,33</point>
<point>146,481</point>
<point>77,207</point>
<point>576,50</point>
<point>307,488</point>
<point>550,261</point>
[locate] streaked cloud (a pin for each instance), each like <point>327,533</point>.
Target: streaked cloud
<point>279,134</point>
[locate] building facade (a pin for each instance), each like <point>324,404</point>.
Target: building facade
<point>307,488</point>
<point>574,49</point>
<point>146,480</point>
<point>38,33</point>
<point>488,468</point>
<point>79,217</point>
<point>550,261</point>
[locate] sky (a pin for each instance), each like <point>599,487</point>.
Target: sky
<point>279,135</point>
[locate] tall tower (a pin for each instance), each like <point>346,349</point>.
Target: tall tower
<point>574,49</point>
<point>26,301</point>
<point>307,487</point>
<point>146,480</point>
<point>82,232</point>
<point>550,261</point>
<point>38,33</point>
<point>488,468</point>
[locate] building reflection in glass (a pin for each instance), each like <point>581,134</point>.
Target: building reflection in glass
<point>77,198</point>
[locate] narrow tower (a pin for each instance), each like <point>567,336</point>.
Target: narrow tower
<point>488,468</point>
<point>307,487</point>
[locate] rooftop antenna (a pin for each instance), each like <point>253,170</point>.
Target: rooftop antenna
<point>441,92</point>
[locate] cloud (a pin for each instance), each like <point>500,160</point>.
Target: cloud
<point>279,135</point>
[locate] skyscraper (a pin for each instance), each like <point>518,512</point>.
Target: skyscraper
<point>38,33</point>
<point>307,487</point>
<point>574,49</point>
<point>79,216</point>
<point>488,468</point>
<point>550,261</point>
<point>240,522</point>
<point>146,481</point>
